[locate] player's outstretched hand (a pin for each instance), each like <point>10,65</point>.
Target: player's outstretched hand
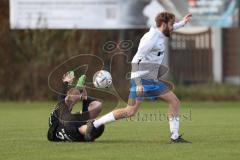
<point>68,77</point>
<point>187,18</point>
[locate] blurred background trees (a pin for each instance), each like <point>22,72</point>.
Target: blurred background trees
<point>28,56</point>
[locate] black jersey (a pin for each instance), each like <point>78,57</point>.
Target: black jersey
<point>65,125</point>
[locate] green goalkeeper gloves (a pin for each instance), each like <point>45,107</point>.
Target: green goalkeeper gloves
<point>81,81</point>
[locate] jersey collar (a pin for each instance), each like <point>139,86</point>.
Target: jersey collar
<point>156,30</point>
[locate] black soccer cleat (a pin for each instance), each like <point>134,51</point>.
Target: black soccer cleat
<point>179,140</point>
<point>98,132</point>
<point>89,135</point>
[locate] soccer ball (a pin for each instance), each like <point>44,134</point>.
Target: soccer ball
<point>102,79</point>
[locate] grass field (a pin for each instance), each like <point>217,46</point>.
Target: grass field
<point>213,128</point>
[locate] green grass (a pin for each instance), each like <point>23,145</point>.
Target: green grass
<point>213,128</point>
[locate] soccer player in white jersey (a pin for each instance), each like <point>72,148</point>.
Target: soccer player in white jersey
<point>144,78</point>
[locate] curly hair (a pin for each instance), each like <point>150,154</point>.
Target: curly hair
<point>164,17</point>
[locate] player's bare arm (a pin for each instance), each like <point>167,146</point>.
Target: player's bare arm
<point>186,18</point>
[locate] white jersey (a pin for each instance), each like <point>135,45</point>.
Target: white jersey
<point>150,53</point>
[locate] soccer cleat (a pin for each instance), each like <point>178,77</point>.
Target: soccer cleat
<point>81,81</point>
<point>179,140</point>
<point>98,132</point>
<point>89,135</point>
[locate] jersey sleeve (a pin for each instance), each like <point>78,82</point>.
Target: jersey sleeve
<point>178,25</point>
<point>62,94</point>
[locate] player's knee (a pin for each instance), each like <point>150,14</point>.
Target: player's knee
<point>131,111</point>
<point>98,106</point>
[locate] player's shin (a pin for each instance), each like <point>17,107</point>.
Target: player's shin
<point>114,115</point>
<point>173,117</point>
<point>174,126</point>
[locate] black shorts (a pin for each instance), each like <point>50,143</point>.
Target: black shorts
<point>69,133</point>
<point>74,135</point>
<point>69,128</point>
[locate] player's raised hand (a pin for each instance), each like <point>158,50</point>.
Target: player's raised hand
<point>187,18</point>
<point>68,77</point>
<point>81,81</point>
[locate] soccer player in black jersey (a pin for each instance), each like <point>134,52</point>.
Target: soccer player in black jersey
<point>67,126</point>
